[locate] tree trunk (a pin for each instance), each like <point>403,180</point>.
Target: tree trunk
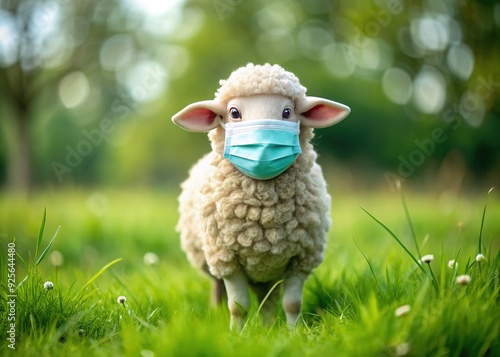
<point>19,164</point>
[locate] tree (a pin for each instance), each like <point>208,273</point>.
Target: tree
<point>67,51</point>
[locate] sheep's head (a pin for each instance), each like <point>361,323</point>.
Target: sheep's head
<point>260,92</point>
<point>257,97</point>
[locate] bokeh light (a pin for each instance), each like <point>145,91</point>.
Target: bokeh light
<point>77,65</point>
<point>117,52</point>
<point>8,39</point>
<point>429,90</point>
<point>431,33</point>
<point>397,85</point>
<point>74,89</point>
<point>460,60</point>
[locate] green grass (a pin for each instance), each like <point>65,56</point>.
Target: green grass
<point>371,268</point>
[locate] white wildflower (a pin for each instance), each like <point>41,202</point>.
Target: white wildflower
<point>151,259</point>
<point>48,285</point>
<point>463,279</point>
<point>121,300</point>
<point>402,311</point>
<point>480,257</point>
<point>452,264</point>
<point>402,349</point>
<point>56,258</point>
<point>427,258</point>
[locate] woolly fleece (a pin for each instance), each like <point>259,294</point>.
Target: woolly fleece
<point>268,229</point>
<point>260,79</point>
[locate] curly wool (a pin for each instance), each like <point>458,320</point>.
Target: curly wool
<point>229,221</point>
<point>260,79</point>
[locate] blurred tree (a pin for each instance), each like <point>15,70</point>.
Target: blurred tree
<point>41,43</point>
<point>69,71</point>
<point>406,68</point>
<point>77,61</point>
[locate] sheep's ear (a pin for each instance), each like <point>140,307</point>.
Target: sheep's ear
<point>200,116</point>
<point>317,112</point>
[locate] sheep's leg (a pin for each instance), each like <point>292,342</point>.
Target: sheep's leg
<point>292,297</point>
<point>218,292</point>
<point>218,289</point>
<point>238,299</point>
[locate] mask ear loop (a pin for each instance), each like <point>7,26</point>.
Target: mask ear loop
<point>221,122</point>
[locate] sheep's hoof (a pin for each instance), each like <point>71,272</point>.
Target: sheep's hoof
<point>238,317</point>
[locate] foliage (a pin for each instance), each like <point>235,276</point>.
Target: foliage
<point>91,101</point>
<point>352,302</point>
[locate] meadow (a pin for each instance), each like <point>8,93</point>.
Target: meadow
<point>121,286</point>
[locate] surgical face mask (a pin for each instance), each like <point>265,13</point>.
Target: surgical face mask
<point>262,149</point>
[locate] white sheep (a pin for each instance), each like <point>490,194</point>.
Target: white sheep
<point>254,220</point>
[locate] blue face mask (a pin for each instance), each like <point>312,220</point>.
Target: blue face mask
<point>262,149</point>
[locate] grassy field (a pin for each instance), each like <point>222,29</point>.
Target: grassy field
<point>369,298</point>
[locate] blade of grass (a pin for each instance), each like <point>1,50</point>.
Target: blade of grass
<point>130,294</point>
<point>40,232</point>
<point>410,224</point>
<point>47,249</point>
<point>268,294</point>
<point>433,278</point>
<point>455,268</point>
<point>480,244</point>
<point>469,265</point>
<point>150,316</point>
<point>102,270</point>
<point>20,257</point>
<point>397,240</point>
<point>431,275</point>
<point>22,281</point>
<point>494,265</point>
<point>369,264</point>
<point>262,303</point>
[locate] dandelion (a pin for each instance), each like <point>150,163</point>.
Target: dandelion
<point>402,311</point>
<point>398,184</point>
<point>480,257</point>
<point>56,258</point>
<point>427,258</point>
<point>452,264</point>
<point>463,279</point>
<point>151,259</point>
<point>402,349</point>
<point>48,285</point>
<point>121,299</point>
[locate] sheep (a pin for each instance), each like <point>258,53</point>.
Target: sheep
<point>246,230</point>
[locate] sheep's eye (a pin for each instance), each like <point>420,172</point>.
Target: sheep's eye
<point>234,113</point>
<point>287,113</point>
